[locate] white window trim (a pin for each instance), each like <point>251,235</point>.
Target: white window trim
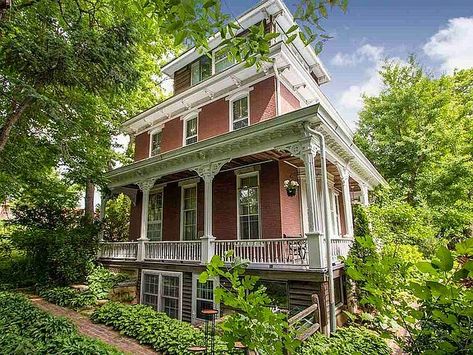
<point>239,177</point>
<point>185,185</point>
<point>160,273</point>
<point>195,280</point>
<point>159,189</point>
<point>232,99</point>
<point>185,119</point>
<point>151,133</point>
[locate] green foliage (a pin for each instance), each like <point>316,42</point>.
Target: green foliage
<point>58,244</point>
<point>254,323</point>
<point>116,225</point>
<point>346,341</point>
<point>100,281</point>
<point>430,299</point>
<point>417,132</point>
<point>24,329</point>
<point>164,334</point>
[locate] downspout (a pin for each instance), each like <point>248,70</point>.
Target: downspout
<point>277,89</point>
<point>327,225</point>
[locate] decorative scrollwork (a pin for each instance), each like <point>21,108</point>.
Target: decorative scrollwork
<point>209,170</point>
<point>146,185</point>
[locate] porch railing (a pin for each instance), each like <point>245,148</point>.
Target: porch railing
<point>118,250</point>
<point>340,248</point>
<point>282,251</point>
<point>174,251</point>
<point>289,251</point>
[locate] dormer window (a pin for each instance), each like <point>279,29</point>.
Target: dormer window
<point>221,61</point>
<point>156,143</point>
<point>201,69</point>
<point>190,130</point>
<point>239,112</point>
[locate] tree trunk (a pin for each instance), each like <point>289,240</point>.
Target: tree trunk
<point>89,200</point>
<point>11,120</point>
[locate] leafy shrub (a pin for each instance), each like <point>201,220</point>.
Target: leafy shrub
<point>24,329</point>
<point>100,282</point>
<point>116,224</point>
<point>58,243</point>
<point>164,334</point>
<point>346,341</point>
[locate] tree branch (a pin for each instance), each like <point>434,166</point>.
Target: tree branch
<point>6,128</point>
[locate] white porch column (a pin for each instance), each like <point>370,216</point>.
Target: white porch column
<point>145,187</point>
<point>345,177</point>
<point>314,237</point>
<point>364,194</point>
<point>207,172</point>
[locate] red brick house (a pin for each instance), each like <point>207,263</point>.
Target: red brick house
<point>211,163</point>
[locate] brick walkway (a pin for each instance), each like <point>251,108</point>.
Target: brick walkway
<point>98,331</point>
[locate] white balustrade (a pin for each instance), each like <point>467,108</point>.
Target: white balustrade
<point>340,248</point>
<point>173,251</point>
<point>287,251</point>
<point>118,250</point>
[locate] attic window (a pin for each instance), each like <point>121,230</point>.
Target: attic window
<point>221,61</point>
<point>201,69</point>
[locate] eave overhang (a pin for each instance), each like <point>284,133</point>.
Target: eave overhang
<point>277,133</point>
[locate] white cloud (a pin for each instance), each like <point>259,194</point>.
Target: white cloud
<point>350,101</point>
<point>367,52</point>
<point>452,45</point>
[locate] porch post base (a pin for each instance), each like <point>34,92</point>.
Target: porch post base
<point>140,254</point>
<point>208,248</point>
<point>316,250</point>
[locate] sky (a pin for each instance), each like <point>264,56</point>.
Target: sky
<point>439,33</point>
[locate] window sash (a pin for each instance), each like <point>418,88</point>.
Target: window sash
<point>201,70</point>
<point>156,143</point>
<point>191,130</point>
<point>189,212</point>
<point>203,296</point>
<point>155,215</point>
<point>240,116</point>
<point>249,207</point>
<point>221,61</point>
<point>163,292</point>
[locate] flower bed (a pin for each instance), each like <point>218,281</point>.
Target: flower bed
<point>153,328</point>
<point>25,329</point>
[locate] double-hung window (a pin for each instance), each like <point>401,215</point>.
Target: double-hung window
<point>156,143</point>
<point>248,206</point>
<point>239,114</point>
<point>201,69</point>
<point>162,291</point>
<point>335,212</point>
<point>189,212</point>
<point>203,296</point>
<point>155,215</point>
<point>190,130</point>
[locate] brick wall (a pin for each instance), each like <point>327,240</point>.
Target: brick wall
<point>269,201</point>
<point>135,218</point>
<point>290,206</point>
<point>225,206</point>
<point>172,135</point>
<point>263,100</point>
<point>288,101</point>
<point>142,146</point>
<point>213,119</point>
<point>171,212</point>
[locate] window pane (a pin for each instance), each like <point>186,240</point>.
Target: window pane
<point>191,127</point>
<point>221,60</point>
<point>201,305</point>
<point>170,306</point>
<point>206,290</point>
<point>240,124</point>
<point>205,67</point>
<point>151,300</point>
<point>195,73</point>
<point>170,286</point>
<point>151,283</point>
<point>155,212</point>
<point>156,143</point>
